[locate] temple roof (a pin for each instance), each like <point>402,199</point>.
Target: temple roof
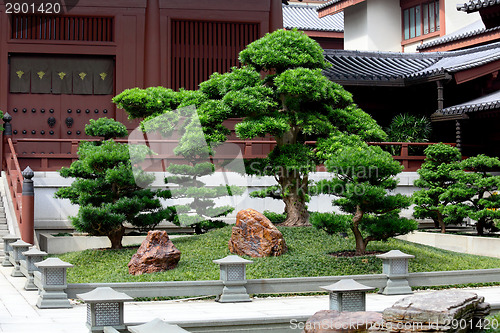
<point>305,17</point>
<point>483,103</point>
<point>475,5</point>
<point>472,30</point>
<point>400,69</point>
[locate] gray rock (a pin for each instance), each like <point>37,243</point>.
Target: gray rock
<point>441,311</point>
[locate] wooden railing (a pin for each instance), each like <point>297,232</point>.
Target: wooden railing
<point>250,149</point>
<point>14,178</point>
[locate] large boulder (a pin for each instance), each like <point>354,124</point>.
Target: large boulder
<point>331,321</point>
<point>255,236</point>
<point>157,253</point>
<point>441,311</point>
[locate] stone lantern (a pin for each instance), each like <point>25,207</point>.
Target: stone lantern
<point>32,256</point>
<point>51,282</point>
<point>7,241</point>
<point>18,247</point>
<point>104,308</point>
<point>395,266</point>
<point>156,325</point>
<point>347,295</point>
<point>233,275</point>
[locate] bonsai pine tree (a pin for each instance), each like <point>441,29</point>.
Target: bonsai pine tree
<point>364,175</point>
<point>440,172</point>
<point>294,103</point>
<point>105,187</point>
<point>198,133</point>
<point>475,192</point>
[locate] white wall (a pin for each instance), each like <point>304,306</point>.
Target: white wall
<point>356,27</point>
<point>455,19</point>
<point>52,214</point>
<point>384,25</point>
<point>373,25</point>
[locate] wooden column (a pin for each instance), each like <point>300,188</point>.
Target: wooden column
<point>458,134</point>
<point>275,16</point>
<point>440,98</point>
<point>152,53</point>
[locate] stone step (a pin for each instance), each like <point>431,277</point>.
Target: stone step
<point>4,227</point>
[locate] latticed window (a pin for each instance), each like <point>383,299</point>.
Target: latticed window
<point>421,19</point>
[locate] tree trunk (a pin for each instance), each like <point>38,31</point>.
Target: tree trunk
<point>441,222</point>
<point>480,227</point>
<point>116,237</point>
<point>360,242</point>
<point>294,188</point>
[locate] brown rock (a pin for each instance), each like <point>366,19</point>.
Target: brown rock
<point>331,321</point>
<point>156,254</point>
<point>255,236</point>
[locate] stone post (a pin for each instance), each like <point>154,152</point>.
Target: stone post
<point>104,308</point>
<point>395,266</point>
<point>7,241</point>
<point>7,133</point>
<point>28,207</point>
<point>233,275</point>
<point>51,282</point>
<point>347,295</point>
<point>18,247</point>
<point>32,256</point>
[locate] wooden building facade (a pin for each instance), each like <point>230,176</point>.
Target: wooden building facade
<point>57,71</point>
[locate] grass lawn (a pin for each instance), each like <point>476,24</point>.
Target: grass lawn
<point>308,255</point>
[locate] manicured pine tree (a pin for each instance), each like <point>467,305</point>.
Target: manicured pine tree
<point>106,189</point>
<point>363,178</point>
<point>293,103</point>
<point>475,192</point>
<point>440,172</point>
<point>198,134</point>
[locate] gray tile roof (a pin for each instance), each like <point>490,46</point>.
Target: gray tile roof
<point>305,17</point>
<point>484,103</point>
<point>475,5</point>
<point>392,68</point>
<point>475,29</point>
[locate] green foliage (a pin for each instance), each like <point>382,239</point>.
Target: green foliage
<point>363,177</point>
<point>440,171</point>
<point>294,104</point>
<point>409,128</point>
<point>275,218</point>
<point>308,255</point>
<point>106,189</point>
<point>283,49</point>
<point>475,192</point>
<point>106,128</point>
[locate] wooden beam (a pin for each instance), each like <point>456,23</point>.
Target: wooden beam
<point>337,7</point>
<point>474,73</point>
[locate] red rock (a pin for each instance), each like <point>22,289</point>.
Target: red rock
<point>331,321</point>
<point>255,236</point>
<point>156,254</point>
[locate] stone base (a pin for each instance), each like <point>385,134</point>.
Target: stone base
<point>113,329</point>
<point>234,294</point>
<point>30,284</point>
<point>16,271</point>
<point>6,262</point>
<point>396,286</point>
<point>53,300</point>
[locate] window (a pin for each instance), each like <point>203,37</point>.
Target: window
<point>421,20</point>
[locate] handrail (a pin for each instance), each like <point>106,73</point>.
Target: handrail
<point>15,180</point>
<point>55,161</point>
